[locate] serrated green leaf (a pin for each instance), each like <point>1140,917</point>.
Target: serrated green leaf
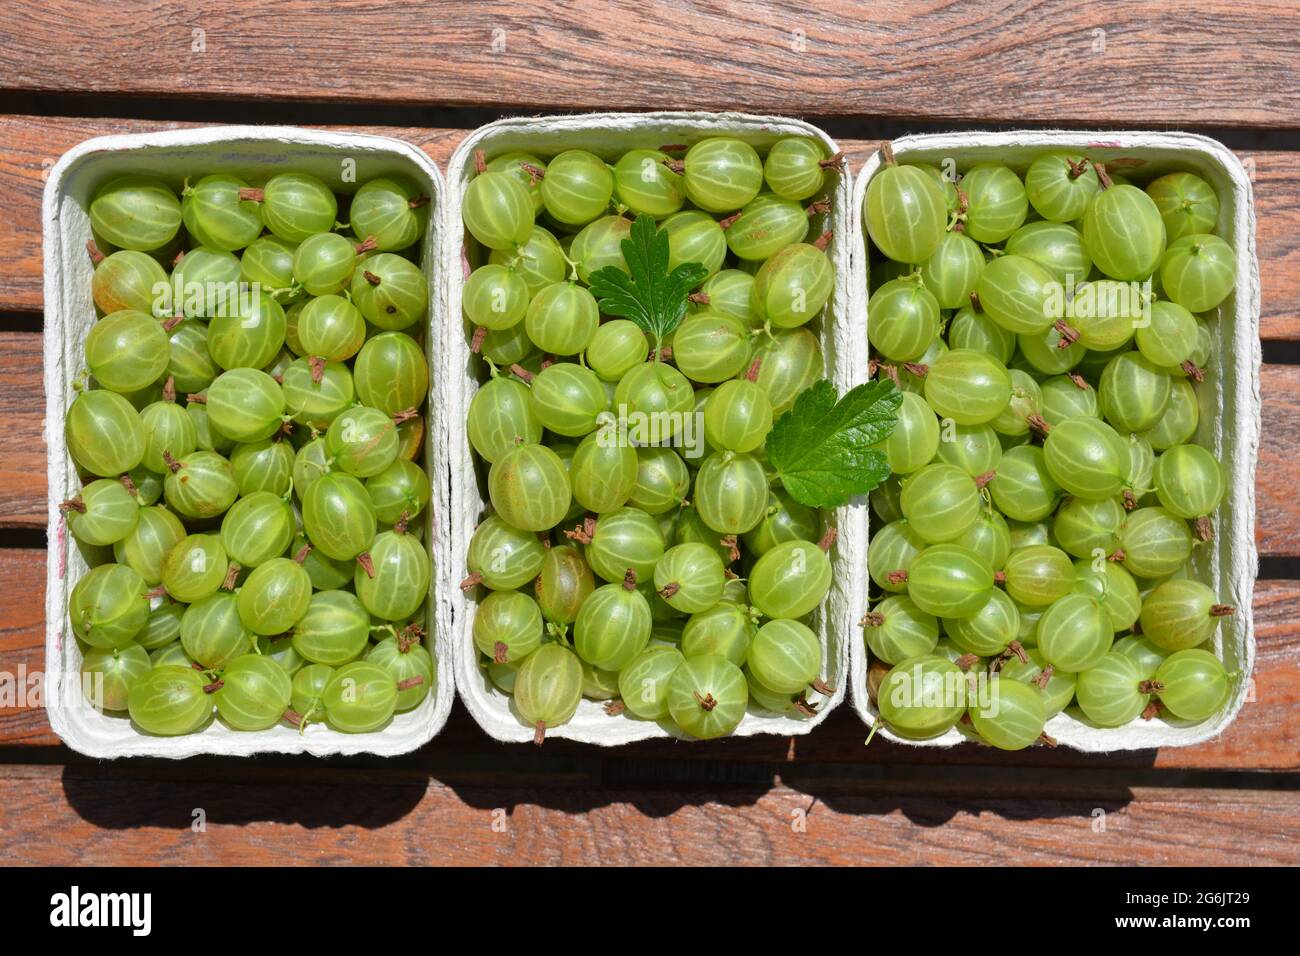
<point>821,448</point>
<point>647,294</point>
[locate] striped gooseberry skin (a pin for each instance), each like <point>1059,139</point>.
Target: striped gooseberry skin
<point>722,174</point>
<point>792,287</point>
<point>658,392</point>
<point>308,685</point>
<point>996,202</point>
<point>922,697</point>
<point>1142,461</point>
<point>170,700</point>
<point>967,386</point>
<point>202,486</point>
<point>793,167</point>
<point>390,211</point>
<point>391,373</point>
<point>600,244</point>
<point>1042,352</point>
<point>309,463</point>
<point>1155,543</point>
<point>989,537</point>
<point>949,581</point>
<point>1014,717</point>
<point>359,698</point>
<point>1056,246</point>
<point>405,664</point>
<point>563,583</point>
<point>789,362</point>
<point>108,606</point>
<point>711,347</point>
<point>1123,601</point>
<point>644,684</point>
<point>215,216</point>
<point>206,283</point>
<point>1062,398</point>
<point>644,183</point>
<point>725,630</point>
<point>1198,271</point>
<point>616,347</point>
<point>1060,185</point>
<point>708,696</point>
<point>400,583</point>
<point>332,328</point>
<point>940,502</point>
<point>1177,614</point>
<point>904,630</point>
<point>1193,684</point>
<point>317,403</point>
<point>689,527</point>
<point>1038,575</point>
<point>548,687</point>
<point>1023,489</point>
<point>765,225</point>
<point>334,630</point>
<point>212,633</point>
<point>784,520</point>
<point>562,318</point>
<point>257,528</point>
<point>623,539</point>
<point>362,441</point>
<point>729,291</point>
<point>694,575</point>
<point>598,684</point>
<point>274,597</point>
<point>194,568</point>
<point>500,417</point>
<point>902,319</point>
<point>738,416</point>
<point>1179,420</point>
<point>952,273</point>
<point>1020,295</point>
<point>538,259</point>
<point>1187,204</point>
<point>512,163</point>
<point>1013,420</point>
<point>988,631</point>
<point>1170,338</point>
<point>1087,458</point>
<point>1081,526</point>
<point>268,261</point>
<point>127,351</point>
<point>170,654</point>
<point>338,516</point>
<point>603,473</point>
<point>893,548</point>
<point>254,694</point>
<point>905,213</point>
<point>245,404</point>
<point>1074,633</point>
<point>1189,481</point>
<point>1109,691</point>
<point>143,548</point>
<point>790,580</point>
<point>391,292</point>
<point>975,449</point>
<point>969,329</point>
<point>504,556</point>
<point>108,674</point>
<point>400,490</point>
<point>785,656</point>
<point>612,626</point>
<point>508,626</point>
<point>695,236</point>
<point>1124,233</point>
<point>189,363</point>
<point>126,279</point>
<point>296,206</point>
<point>1059,690</point>
<point>568,399</point>
<point>529,487</point>
<point>577,188</point>
<point>248,336</point>
<point>167,429</point>
<point>731,492</point>
<point>495,296</point>
<point>136,212</point>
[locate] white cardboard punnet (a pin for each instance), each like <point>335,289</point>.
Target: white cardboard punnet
<point>344,160</point>
<point>843,336</point>
<point>1229,397</point>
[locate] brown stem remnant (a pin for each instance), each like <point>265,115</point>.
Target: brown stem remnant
<point>418,201</point>
<point>584,532</point>
<point>366,563</point>
<point>370,277</point>
<point>629,581</point>
<point>819,207</point>
<point>1015,647</point>
<point>919,369</point>
<point>824,240</point>
<point>196,398</point>
<point>1048,739</point>
<point>1130,499</point>
<point>1069,334</point>
<point>292,717</point>
<point>535,173</point>
<point>614,707</point>
<point>699,298</point>
<point>480,161</point>
<point>872,619</point>
<point>317,363</point>
<point>801,704</point>
<point>1102,175</point>
<point>215,686</point>
<point>835,162</point>
<point>523,373</point>
<point>675,165</point>
<point>975,302</point>
<point>476,343</point>
<point>727,222</point>
<point>413,681</point>
<point>539,732</point>
<point>1119,555</point>
<point>129,485</point>
<point>822,687</point>
<point>1222,610</point>
<point>96,256</point>
<point>966,662</point>
<point>707,702</point>
<point>73,504</point>
<point>1152,710</point>
<point>751,373</point>
<point>1038,425</point>
<point>1204,528</point>
<point>732,545</point>
<point>982,481</point>
<point>1195,373</point>
<point>668,590</point>
<point>673,148</point>
<point>999,577</point>
<point>301,556</point>
<point>887,154</point>
<point>252,194</point>
<point>1044,676</point>
<point>369,244</point>
<point>172,464</point>
<point>827,540</point>
<point>896,577</point>
<point>232,575</point>
<point>1079,381</point>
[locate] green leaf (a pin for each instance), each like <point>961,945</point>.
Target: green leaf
<point>821,448</point>
<point>647,294</point>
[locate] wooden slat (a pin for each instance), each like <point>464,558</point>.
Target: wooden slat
<point>126,816</point>
<point>1229,64</point>
<point>30,145</point>
<point>1264,735</point>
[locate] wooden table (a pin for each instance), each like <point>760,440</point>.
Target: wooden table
<point>427,72</point>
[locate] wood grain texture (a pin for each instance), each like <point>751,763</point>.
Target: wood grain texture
<point>115,813</point>
<point>29,146</point>
<point>1264,735</point>
<point>1225,64</point>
